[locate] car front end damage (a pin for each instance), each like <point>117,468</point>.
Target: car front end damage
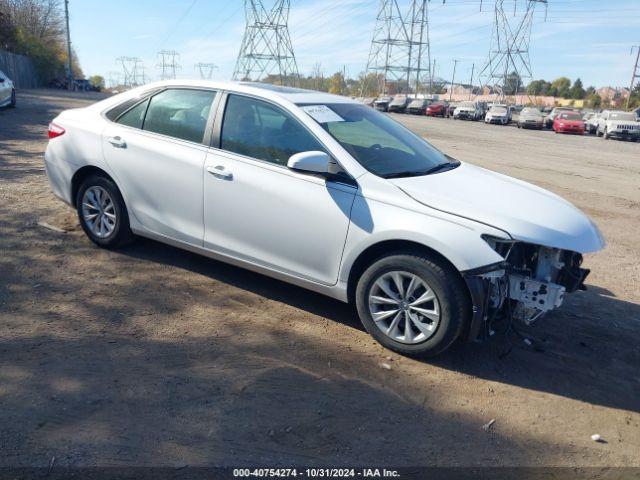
<point>531,281</point>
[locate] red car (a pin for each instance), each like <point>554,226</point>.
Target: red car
<point>569,122</point>
<point>437,109</point>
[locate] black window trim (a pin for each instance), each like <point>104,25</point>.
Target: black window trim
<point>147,96</point>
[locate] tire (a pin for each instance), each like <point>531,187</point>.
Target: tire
<point>450,292</point>
<point>13,99</point>
<point>117,232</point>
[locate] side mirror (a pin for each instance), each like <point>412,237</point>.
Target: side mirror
<point>316,162</point>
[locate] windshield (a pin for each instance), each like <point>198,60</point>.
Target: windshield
<point>379,144</point>
<point>467,105</point>
<point>531,111</point>
<point>498,110</point>
<point>570,116</point>
<point>623,116</point>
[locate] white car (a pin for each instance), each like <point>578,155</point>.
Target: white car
<point>7,91</point>
<point>325,193</point>
<point>467,111</point>
<point>591,122</point>
<point>498,115</point>
<point>618,124</point>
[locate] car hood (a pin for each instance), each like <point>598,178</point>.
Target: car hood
<point>573,123</point>
<point>526,212</point>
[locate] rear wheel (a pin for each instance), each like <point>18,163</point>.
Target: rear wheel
<point>412,304</point>
<point>103,213</point>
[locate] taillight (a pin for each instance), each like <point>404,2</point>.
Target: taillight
<point>55,130</point>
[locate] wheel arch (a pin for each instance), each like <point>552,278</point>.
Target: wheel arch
<point>384,248</point>
<point>81,174</point>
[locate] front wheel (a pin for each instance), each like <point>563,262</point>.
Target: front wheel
<point>103,213</point>
<point>413,304</point>
<point>12,104</point>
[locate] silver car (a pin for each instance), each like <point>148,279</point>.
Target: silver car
<point>531,118</point>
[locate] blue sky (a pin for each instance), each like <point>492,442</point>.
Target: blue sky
<point>590,39</point>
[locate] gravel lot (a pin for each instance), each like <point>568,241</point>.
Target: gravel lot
<point>154,356</point>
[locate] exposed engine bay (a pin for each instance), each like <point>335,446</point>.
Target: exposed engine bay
<point>531,281</point>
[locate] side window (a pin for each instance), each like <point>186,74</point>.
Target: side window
<point>260,130</point>
<point>134,117</point>
<point>180,113</point>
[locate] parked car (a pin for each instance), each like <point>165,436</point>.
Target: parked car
<point>382,103</point>
<point>467,111</point>
<point>619,124</point>
<point>531,117</point>
<point>7,91</point>
<point>399,104</point>
<point>568,122</point>
<point>438,109</point>
<point>591,122</point>
<point>451,108</point>
<point>369,101</point>
<point>548,120</point>
<point>497,114</point>
<point>325,193</point>
<point>419,106</point>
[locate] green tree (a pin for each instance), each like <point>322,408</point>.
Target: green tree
<point>577,90</point>
<point>97,81</point>
<point>560,87</point>
<point>538,88</point>
<point>512,83</point>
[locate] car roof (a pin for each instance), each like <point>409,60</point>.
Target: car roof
<point>263,90</point>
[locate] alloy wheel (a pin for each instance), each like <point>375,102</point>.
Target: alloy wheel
<point>98,211</point>
<point>404,307</point>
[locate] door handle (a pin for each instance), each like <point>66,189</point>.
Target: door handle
<point>220,172</point>
<point>117,142</point>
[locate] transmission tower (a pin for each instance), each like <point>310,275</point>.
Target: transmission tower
<point>636,73</point>
<point>510,41</point>
<point>168,64</point>
<point>132,71</point>
<point>266,46</point>
<point>400,50</point>
<point>113,79</point>
<point>206,70</point>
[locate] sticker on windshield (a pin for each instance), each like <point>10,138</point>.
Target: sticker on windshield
<point>322,113</point>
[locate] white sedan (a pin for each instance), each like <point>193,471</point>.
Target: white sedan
<point>326,193</point>
<point>7,91</point>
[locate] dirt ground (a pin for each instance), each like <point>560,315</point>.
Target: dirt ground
<point>154,356</point>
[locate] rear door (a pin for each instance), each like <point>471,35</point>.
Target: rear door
<point>156,150</point>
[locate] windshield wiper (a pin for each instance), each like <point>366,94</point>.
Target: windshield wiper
<point>418,173</point>
<point>441,167</point>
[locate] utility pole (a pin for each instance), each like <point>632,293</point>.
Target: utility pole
<point>510,41</point>
<point>400,50</point>
<point>453,77</point>
<point>473,66</point>
<point>266,47</point>
<point>69,69</point>
<point>636,73</point>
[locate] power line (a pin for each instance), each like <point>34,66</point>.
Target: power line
<point>266,47</point>
<point>132,70</point>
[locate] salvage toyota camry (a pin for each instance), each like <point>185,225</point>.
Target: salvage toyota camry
<point>325,193</point>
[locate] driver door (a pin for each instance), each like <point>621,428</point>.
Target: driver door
<point>258,210</point>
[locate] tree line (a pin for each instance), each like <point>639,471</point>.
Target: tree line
<point>35,28</point>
